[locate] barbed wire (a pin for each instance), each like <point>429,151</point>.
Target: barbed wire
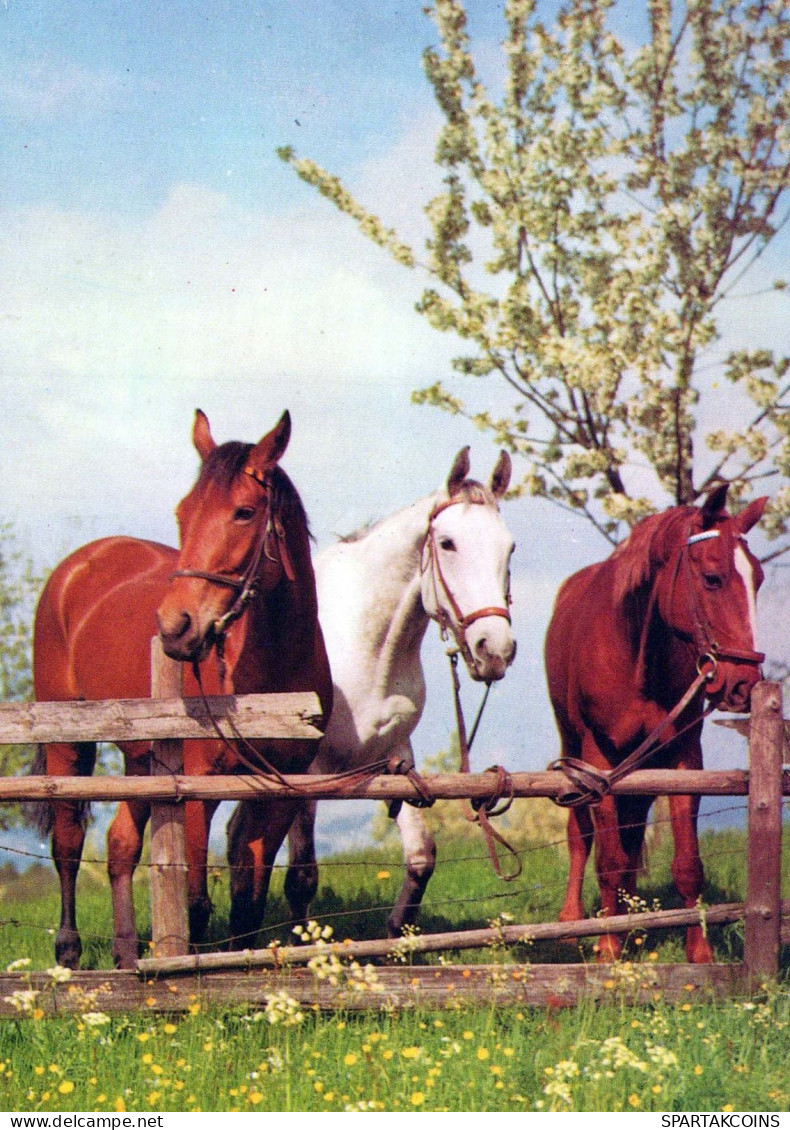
<point>656,822</point>
<point>541,896</point>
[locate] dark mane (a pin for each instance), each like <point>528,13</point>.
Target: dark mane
<point>646,548</point>
<point>228,461</point>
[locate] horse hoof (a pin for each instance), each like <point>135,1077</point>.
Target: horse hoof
<point>199,914</point>
<point>125,952</point>
<point>699,954</point>
<point>68,949</point>
<point>608,950</point>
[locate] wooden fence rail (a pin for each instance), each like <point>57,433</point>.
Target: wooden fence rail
<point>443,786</point>
<point>168,719</point>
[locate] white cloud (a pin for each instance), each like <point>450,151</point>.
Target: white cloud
<point>47,87</point>
<point>113,329</point>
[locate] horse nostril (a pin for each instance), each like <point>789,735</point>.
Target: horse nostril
<point>177,628</point>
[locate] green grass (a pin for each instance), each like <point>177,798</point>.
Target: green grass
<point>700,1054</point>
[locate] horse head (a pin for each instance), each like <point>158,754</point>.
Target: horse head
<point>232,542</point>
<point>704,584</point>
<point>466,568</point>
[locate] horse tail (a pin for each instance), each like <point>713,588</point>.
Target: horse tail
<point>40,814</point>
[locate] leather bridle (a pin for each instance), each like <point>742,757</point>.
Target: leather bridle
<point>458,623</point>
<point>709,649</point>
<point>588,785</point>
<point>247,585</point>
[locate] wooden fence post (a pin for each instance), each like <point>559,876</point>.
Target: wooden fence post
<point>764,843</point>
<point>169,912</point>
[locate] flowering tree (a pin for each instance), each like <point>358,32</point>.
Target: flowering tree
<point>593,218</point>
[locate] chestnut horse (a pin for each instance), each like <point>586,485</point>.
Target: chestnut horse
<point>625,644</point>
<point>242,584</point>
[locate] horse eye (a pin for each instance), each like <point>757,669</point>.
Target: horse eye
<point>447,544</point>
<point>244,514</point>
<point>712,580</point>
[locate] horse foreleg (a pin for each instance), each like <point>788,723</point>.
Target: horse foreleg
<point>68,838</point>
<point>419,857</point>
<point>687,870</point>
<point>124,847</point>
<point>301,878</point>
<point>255,835</point>
<point>197,820</point>
<point>611,863</point>
<point>580,841</point>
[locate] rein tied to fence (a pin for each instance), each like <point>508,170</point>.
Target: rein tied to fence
<point>456,625</point>
<point>483,809</point>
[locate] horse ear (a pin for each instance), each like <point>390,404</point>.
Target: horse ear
<point>459,471</point>
<point>201,435</point>
<point>500,476</point>
<point>750,515</point>
<point>714,505</point>
<point>272,447</point>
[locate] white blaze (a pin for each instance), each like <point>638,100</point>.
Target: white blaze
<point>744,569</point>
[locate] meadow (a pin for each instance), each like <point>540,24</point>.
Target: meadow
<point>694,1054</point>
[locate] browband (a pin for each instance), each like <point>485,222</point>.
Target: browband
<point>705,536</point>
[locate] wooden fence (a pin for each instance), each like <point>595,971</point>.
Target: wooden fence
<point>171,978</point>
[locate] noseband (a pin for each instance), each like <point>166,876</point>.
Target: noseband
<point>247,585</point>
<point>458,623</point>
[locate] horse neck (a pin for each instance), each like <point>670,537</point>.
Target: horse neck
<point>661,658</point>
<point>393,551</point>
<point>277,635</point>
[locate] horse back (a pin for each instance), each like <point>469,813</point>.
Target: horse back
<point>95,620</point>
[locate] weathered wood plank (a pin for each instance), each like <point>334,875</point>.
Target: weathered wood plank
<point>449,786</point>
<point>438,943</point>
<point>399,987</point>
<point>764,844</point>
<point>168,873</point>
<point>292,715</point>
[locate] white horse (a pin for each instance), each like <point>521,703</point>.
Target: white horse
<point>444,558</point>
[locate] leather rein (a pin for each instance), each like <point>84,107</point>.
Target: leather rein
<point>482,809</point>
<point>589,786</point>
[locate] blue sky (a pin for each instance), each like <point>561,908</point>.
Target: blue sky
<point>156,256</point>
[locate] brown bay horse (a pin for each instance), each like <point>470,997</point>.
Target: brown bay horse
<point>627,640</point>
<point>241,584</point>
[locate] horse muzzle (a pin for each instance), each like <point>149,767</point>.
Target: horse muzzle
<point>182,639</point>
<point>729,687</point>
<point>492,649</point>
